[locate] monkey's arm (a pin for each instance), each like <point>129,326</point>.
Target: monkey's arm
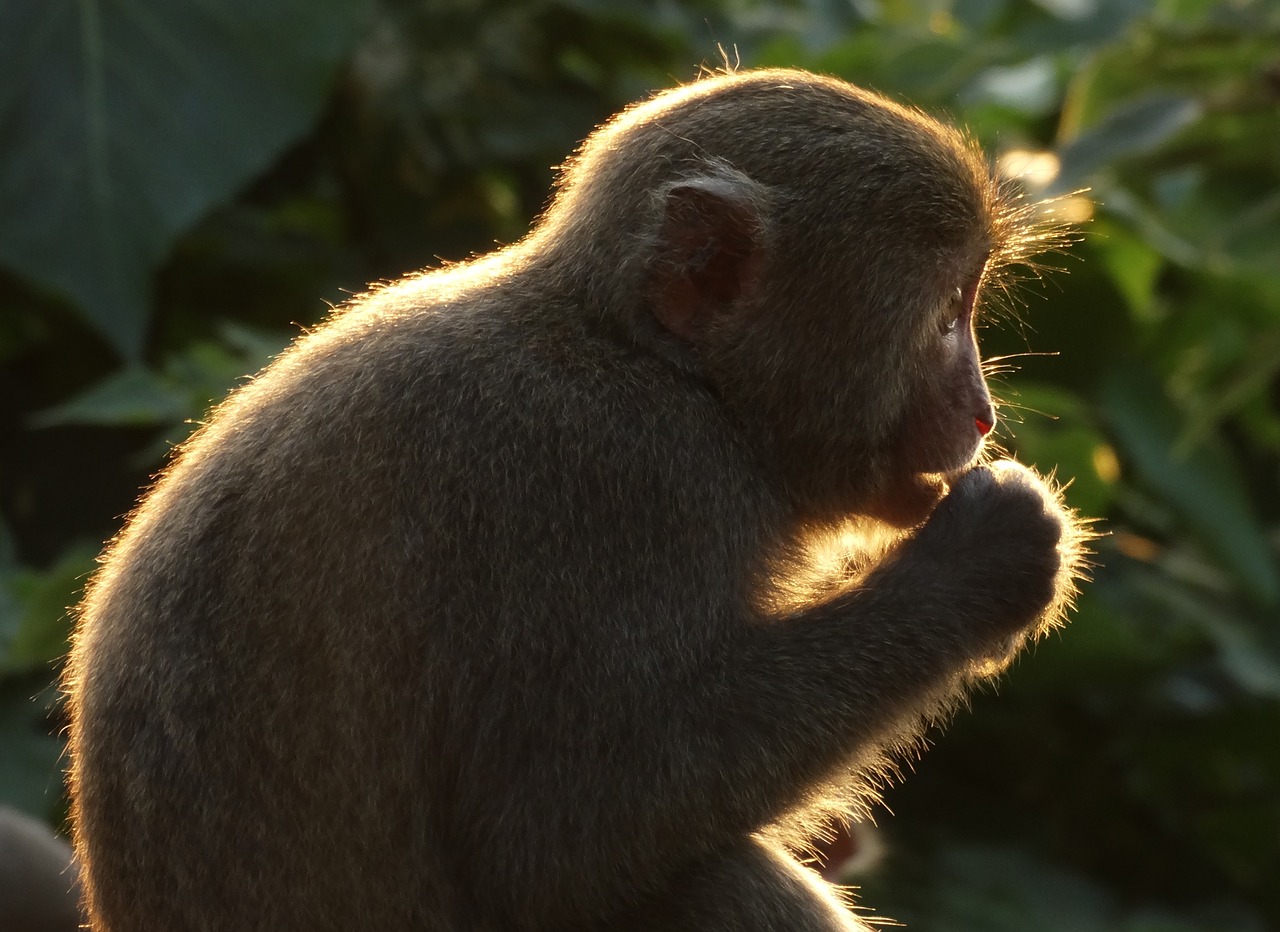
<point>742,719</point>
<point>842,682</point>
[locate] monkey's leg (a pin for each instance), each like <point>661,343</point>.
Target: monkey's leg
<point>751,887</point>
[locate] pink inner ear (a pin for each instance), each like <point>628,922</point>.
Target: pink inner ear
<point>712,243</point>
<point>723,278</point>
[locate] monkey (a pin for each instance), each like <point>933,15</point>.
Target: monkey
<point>490,604</point>
<point>38,887</point>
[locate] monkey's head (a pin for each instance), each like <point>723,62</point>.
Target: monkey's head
<point>817,253</point>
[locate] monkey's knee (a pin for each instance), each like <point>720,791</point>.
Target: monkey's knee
<point>751,887</point>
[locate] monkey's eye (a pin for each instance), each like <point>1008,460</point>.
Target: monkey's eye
<point>954,312</point>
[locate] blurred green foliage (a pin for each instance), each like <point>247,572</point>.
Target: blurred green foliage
<point>183,185</point>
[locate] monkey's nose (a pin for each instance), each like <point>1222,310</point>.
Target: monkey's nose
<point>985,423</point>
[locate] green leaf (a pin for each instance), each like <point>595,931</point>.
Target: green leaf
<point>1251,377</point>
<point>30,779</point>
<point>978,14</point>
<point>1244,656</point>
<point>1071,24</point>
<point>190,381</point>
<point>1132,263</point>
<point>133,396</point>
<point>124,122</point>
<point>1138,127</point>
<point>1203,485</point>
<point>33,631</point>
<point>1003,890</point>
<point>1056,435</point>
<point>1029,87</point>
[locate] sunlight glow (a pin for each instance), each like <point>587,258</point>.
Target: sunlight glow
<point>1106,464</point>
<point>1073,209</point>
<point>1034,169</point>
<point>941,23</point>
<point>1136,547</point>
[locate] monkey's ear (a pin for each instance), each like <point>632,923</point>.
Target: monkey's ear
<point>711,252</point>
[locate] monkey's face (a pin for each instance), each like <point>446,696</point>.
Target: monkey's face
<point>948,412</point>
<point>951,411</point>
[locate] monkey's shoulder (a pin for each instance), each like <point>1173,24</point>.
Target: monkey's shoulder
<point>384,410</point>
<point>477,376</point>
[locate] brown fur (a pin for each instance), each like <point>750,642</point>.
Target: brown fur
<point>490,604</point>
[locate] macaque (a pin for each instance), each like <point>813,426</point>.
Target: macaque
<point>490,604</point>
<point>38,886</point>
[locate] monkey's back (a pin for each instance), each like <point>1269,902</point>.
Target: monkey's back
<point>343,639</point>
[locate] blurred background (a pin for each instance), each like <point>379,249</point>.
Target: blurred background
<point>185,185</point>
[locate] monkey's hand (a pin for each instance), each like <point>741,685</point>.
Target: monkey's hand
<point>1003,543</point>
